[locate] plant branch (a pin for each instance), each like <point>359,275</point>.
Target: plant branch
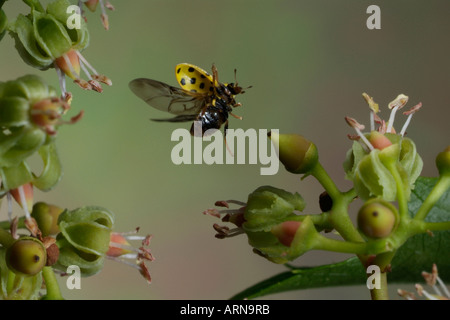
<point>53,291</point>
<point>438,190</point>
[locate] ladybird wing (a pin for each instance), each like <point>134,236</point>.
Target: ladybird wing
<point>194,79</point>
<point>164,97</point>
<point>180,118</point>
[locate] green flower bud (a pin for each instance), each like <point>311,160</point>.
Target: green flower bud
<point>46,217</point>
<point>370,171</point>
<point>23,136</point>
<point>379,140</point>
<point>20,174</point>
<point>268,206</point>
<point>26,288</point>
<point>3,23</point>
<point>26,256</point>
<point>298,154</point>
<point>377,219</point>
<point>30,112</point>
<point>285,232</point>
<point>443,162</point>
<point>89,264</point>
<point>285,241</point>
<point>42,37</point>
<point>84,238</point>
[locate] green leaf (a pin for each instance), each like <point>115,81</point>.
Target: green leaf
<point>416,255</point>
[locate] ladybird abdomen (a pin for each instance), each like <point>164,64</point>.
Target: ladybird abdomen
<point>211,119</point>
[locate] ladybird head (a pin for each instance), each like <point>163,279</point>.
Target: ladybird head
<point>234,88</point>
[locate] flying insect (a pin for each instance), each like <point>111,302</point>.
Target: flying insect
<point>201,97</point>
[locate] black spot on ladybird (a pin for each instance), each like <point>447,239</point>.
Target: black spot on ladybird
<point>202,76</point>
<point>202,85</point>
<point>183,81</point>
<point>191,69</point>
<point>193,80</point>
<point>211,89</point>
<point>179,69</point>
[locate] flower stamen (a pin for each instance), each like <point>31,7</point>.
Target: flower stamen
<point>395,105</point>
<point>374,110</point>
<point>225,232</point>
<point>120,250</point>
<point>95,75</point>
<point>358,127</point>
<point>409,113</point>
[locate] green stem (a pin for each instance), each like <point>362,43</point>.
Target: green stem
<point>53,291</point>
<point>383,260</point>
<point>419,226</point>
<point>438,190</point>
<point>401,196</point>
<point>339,213</point>
<point>382,292</point>
<point>342,222</point>
<point>327,244</point>
<point>437,226</point>
<point>6,239</point>
<point>324,179</point>
<point>321,220</point>
<point>10,282</point>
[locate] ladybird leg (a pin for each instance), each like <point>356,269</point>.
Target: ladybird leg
<point>215,75</point>
<point>225,138</point>
<point>237,117</point>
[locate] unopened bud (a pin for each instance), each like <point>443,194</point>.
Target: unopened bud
<point>376,219</point>
<point>443,162</point>
<point>298,154</point>
<point>46,216</point>
<point>285,232</point>
<point>379,140</point>
<point>27,256</point>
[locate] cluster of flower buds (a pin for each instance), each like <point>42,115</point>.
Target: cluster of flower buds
<point>270,221</point>
<point>86,239</point>
<point>23,258</point>
<point>375,155</point>
<point>31,113</point>
<point>44,40</point>
<point>383,167</point>
<point>61,238</point>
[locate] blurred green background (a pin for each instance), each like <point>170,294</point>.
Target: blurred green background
<point>308,62</point>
